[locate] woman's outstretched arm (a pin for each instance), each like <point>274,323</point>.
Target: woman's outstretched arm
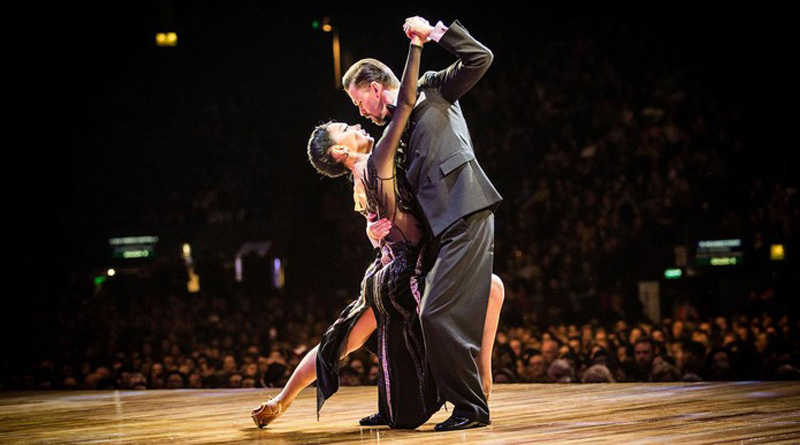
<point>386,147</point>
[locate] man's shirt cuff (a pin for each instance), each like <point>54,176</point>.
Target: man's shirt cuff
<point>438,31</point>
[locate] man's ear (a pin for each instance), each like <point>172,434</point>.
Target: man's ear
<point>376,88</point>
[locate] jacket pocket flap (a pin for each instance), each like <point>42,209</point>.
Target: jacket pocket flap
<point>456,160</point>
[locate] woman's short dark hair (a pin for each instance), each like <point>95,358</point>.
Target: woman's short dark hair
<point>319,152</point>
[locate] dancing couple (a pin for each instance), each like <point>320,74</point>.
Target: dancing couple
<point>430,297</point>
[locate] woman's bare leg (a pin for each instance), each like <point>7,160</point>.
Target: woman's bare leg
<point>496,297</point>
<point>306,371</point>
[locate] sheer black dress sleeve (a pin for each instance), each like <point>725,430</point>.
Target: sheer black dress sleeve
<point>387,193</point>
<point>385,149</point>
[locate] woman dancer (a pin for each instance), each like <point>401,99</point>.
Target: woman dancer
<point>389,292</point>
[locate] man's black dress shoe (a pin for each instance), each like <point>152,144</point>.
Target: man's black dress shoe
<point>458,423</point>
<point>373,420</point>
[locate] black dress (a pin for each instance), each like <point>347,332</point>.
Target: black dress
<point>407,393</point>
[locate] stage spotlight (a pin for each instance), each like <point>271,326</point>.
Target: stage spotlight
<point>166,39</point>
<point>111,272</point>
<point>323,25</point>
<point>777,252</point>
<point>326,26</point>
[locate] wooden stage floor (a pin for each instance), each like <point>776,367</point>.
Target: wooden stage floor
<point>673,413</point>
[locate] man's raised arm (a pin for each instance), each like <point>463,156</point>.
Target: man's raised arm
<point>474,57</point>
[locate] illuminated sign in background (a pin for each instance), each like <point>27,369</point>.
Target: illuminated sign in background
<point>722,252</point>
<point>133,247</point>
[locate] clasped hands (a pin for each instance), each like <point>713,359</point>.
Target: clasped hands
<point>418,30</point>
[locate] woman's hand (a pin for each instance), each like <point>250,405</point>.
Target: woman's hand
<point>418,30</point>
<point>377,230</point>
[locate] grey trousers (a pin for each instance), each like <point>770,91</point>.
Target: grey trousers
<point>453,311</point>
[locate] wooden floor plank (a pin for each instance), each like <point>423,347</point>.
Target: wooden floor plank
<point>653,413</point>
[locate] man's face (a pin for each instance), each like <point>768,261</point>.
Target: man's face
<point>537,365</point>
<point>643,353</point>
<point>357,366</point>
<point>658,336</point>
<point>549,351</point>
<point>368,99</point>
<point>575,344</point>
<point>677,329</point>
<point>634,335</point>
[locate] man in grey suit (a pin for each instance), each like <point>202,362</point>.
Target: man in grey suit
<point>458,201</point>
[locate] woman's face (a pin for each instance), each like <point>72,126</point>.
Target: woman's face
<point>351,136</point>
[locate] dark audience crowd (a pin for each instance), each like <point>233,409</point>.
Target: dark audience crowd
<point>608,162</point>
<point>201,341</point>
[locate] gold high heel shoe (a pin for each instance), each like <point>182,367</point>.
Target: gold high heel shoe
<point>262,417</point>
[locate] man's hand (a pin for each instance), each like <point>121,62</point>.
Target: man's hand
<point>419,27</point>
<point>377,230</point>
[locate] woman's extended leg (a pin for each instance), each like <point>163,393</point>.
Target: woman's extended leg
<point>496,297</point>
<point>306,371</point>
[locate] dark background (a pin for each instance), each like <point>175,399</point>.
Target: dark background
<point>105,125</point>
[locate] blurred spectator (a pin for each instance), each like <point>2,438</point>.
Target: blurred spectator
<point>644,353</point>
<point>561,371</point>
<point>598,374</point>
